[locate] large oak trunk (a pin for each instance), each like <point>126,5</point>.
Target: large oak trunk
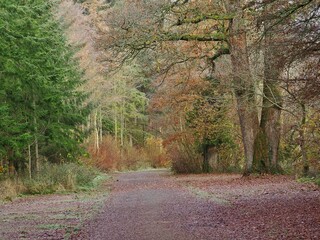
<point>244,89</point>
<point>266,157</point>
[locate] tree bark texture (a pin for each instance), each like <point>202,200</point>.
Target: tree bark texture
<point>303,148</point>
<point>243,87</point>
<point>266,157</point>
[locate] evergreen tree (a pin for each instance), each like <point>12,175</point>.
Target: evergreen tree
<point>39,80</point>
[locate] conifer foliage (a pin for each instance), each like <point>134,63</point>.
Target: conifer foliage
<point>40,107</point>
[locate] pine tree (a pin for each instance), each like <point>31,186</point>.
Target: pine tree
<point>39,81</point>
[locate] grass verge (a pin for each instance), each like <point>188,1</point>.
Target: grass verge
<point>206,195</point>
<point>315,180</point>
<point>53,178</point>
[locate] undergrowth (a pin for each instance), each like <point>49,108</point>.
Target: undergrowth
<point>52,178</point>
<point>112,157</point>
<point>315,180</point>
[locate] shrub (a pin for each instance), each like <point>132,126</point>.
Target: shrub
<point>112,156</point>
<point>155,152</point>
<point>185,159</point>
<point>108,156</point>
<point>10,188</point>
<point>131,159</point>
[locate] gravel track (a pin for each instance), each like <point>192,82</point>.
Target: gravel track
<point>156,205</point>
<point>153,205</point>
<point>143,206</point>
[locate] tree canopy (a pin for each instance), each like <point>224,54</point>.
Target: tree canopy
<point>40,104</point>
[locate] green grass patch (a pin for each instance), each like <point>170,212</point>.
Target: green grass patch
<point>62,217</point>
<point>95,182</point>
<point>315,180</point>
<point>50,226</point>
<point>206,195</point>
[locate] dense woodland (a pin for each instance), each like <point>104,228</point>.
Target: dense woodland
<point>198,86</point>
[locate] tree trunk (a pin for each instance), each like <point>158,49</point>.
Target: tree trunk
<point>36,148</point>
<point>243,87</point>
<point>303,141</point>
<point>261,161</point>
<point>271,106</point>
<point>36,143</point>
<point>29,162</point>
<point>205,164</point>
<point>115,122</point>
<point>100,126</point>
<point>122,123</point>
<point>271,126</point>
<point>96,130</point>
<point>130,140</point>
<point>11,169</point>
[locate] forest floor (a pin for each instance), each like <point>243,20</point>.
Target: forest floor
<point>156,205</point>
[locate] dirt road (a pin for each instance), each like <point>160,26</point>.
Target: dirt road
<point>144,206</point>
<point>155,206</point>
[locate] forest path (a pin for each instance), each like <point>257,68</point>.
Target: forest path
<point>155,205</point>
<point>144,205</point>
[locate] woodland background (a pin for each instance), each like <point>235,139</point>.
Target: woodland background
<point>198,86</point>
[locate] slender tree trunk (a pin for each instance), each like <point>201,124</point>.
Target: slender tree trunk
<point>243,87</point>
<point>96,130</point>
<point>303,141</point>
<point>36,143</point>
<point>11,168</point>
<point>36,148</point>
<point>116,110</point>
<point>100,126</point>
<point>122,127</point>
<point>115,123</point>
<point>130,140</point>
<point>29,162</point>
<point>205,164</point>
